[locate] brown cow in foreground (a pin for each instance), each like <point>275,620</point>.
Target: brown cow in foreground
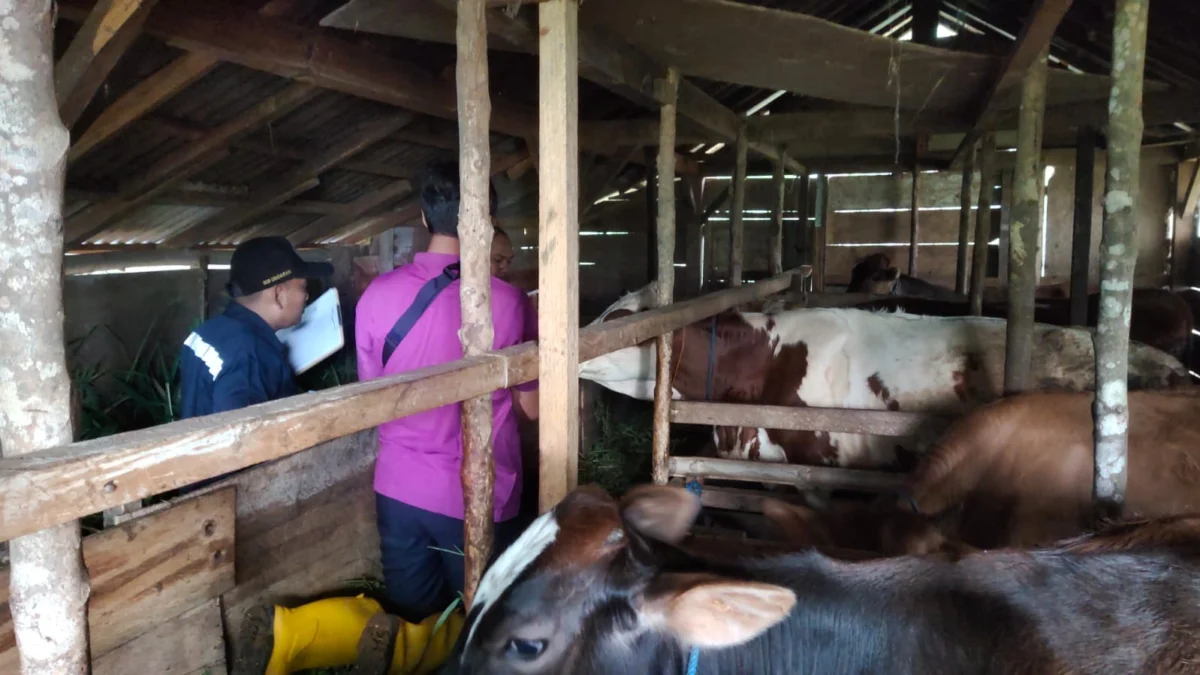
<point>1018,472</point>
<point>597,586</point>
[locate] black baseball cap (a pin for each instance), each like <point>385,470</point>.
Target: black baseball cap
<point>263,262</point>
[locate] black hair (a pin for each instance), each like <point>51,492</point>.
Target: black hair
<point>440,196</point>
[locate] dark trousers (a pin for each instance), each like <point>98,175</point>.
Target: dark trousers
<point>421,551</point>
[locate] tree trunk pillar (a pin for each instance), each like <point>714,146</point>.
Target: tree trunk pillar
<point>1118,254</point>
<point>48,586</point>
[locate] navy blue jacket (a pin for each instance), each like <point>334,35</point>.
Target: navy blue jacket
<point>232,361</point>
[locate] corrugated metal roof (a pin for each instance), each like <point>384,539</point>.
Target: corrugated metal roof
<point>228,90</point>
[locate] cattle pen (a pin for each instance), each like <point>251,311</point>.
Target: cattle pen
<point>154,137</point>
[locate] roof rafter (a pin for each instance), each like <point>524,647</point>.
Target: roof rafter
<point>1034,38</point>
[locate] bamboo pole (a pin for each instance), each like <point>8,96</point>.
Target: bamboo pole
<point>820,234</point>
<point>736,225</point>
<point>666,274</point>
<point>48,587</point>
<point>914,229</point>
<point>961,272</point>
<point>475,291</point>
<point>983,221</point>
<point>1118,254</point>
<point>1081,238</point>
<point>779,181</point>
<point>558,248</point>
<point>1024,232</point>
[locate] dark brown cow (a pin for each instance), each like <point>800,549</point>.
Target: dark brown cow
<point>1018,472</point>
<point>597,587</point>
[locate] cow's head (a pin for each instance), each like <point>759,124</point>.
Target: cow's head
<point>873,274</point>
<point>885,526</point>
<point>596,586</point>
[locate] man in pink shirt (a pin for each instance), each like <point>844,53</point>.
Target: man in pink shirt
<point>407,319</point>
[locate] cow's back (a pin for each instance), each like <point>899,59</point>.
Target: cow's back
<point>1020,470</point>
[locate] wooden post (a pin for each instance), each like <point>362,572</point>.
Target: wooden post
<point>983,221</point>
<point>1006,199</point>
<point>1118,254</point>
<point>964,221</point>
<point>736,226</point>
<point>915,224</point>
<point>666,275</point>
<point>820,233</point>
<point>475,292</point>
<point>558,248</point>
<point>1081,237</point>
<point>48,588</point>
<point>775,264</point>
<point>795,239</point>
<point>651,215</point>
<point>1024,231</point>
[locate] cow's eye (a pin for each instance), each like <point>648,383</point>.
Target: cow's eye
<point>525,649</point>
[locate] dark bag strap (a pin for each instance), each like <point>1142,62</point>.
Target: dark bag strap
<point>410,316</point>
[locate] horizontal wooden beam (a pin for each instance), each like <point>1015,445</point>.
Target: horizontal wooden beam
<point>232,33</point>
<point>55,486</point>
<point>835,420</point>
<point>796,475</point>
<point>147,94</point>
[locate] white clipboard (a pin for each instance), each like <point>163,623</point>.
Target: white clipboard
<point>318,335</point>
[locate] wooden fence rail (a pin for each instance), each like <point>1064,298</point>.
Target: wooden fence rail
<point>835,420</point>
<point>54,486</point>
<point>797,475</point>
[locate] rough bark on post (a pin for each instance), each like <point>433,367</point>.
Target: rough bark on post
<point>914,230</point>
<point>666,274</point>
<point>736,225</point>
<point>1118,254</point>
<point>964,220</point>
<point>1081,237</point>
<point>1024,232</point>
<point>983,221</point>
<point>558,249</point>
<point>651,215</point>
<point>475,292</point>
<point>775,264</point>
<point>48,587</point>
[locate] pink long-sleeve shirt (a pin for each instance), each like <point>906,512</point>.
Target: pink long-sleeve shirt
<point>420,455</point>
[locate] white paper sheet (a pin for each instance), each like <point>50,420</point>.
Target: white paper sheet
<point>318,335</point>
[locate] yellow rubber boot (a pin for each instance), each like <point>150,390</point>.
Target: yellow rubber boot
<point>419,650</point>
<point>321,634</point>
<point>325,634</point>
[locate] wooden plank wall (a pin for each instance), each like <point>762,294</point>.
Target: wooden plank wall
<point>871,214</point>
<point>144,574</point>
<point>169,584</point>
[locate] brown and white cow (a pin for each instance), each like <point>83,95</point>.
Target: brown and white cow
<point>597,587</point>
<point>849,358</point>
<point>1018,472</point>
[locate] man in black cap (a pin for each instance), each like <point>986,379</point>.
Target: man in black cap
<point>235,360</point>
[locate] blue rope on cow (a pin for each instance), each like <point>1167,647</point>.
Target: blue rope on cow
<point>693,661</point>
<point>693,486</point>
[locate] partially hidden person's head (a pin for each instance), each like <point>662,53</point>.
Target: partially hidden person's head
<point>440,196</point>
<point>502,253</point>
<point>269,278</point>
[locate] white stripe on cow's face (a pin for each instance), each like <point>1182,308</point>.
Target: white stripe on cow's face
<point>516,559</point>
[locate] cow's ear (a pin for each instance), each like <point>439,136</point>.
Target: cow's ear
<point>712,612</point>
<point>660,512</point>
<point>800,525</point>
